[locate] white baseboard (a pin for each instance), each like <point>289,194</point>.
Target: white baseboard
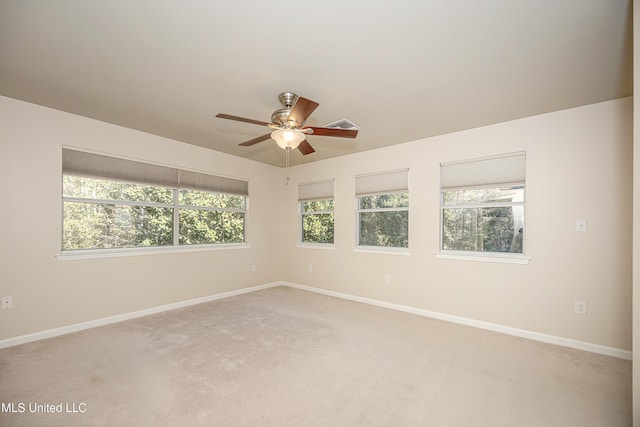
<point>50,333</point>
<point>551,339</point>
<point>566,342</point>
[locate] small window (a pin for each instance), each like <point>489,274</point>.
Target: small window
<point>483,219</point>
<point>483,205</point>
<point>317,221</point>
<point>383,209</point>
<point>316,206</point>
<point>383,220</point>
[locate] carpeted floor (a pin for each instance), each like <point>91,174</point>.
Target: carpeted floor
<point>286,357</point>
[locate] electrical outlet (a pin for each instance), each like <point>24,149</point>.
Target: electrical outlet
<point>253,268</point>
<point>310,267</point>
<point>580,307</point>
<point>7,302</point>
<point>387,278</point>
<point>581,225</point>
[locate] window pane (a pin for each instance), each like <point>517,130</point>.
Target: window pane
<point>102,189</point>
<point>199,227</point>
<point>102,226</point>
<point>390,229</point>
<point>206,199</point>
<point>233,227</point>
<point>484,195</point>
<point>317,205</point>
<point>498,229</point>
<point>395,200</point>
<point>317,228</point>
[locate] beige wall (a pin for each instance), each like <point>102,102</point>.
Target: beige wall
<point>49,293</point>
<point>579,167</point>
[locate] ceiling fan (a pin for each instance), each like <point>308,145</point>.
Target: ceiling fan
<point>288,124</point>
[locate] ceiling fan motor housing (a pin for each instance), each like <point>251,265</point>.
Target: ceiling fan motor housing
<point>280,116</point>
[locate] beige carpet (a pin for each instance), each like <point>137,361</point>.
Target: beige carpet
<point>285,357</point>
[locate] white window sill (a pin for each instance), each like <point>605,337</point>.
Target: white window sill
<point>382,250</point>
<point>323,246</point>
<point>124,252</point>
<point>485,257</point>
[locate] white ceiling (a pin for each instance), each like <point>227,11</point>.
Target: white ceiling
<point>401,70</point>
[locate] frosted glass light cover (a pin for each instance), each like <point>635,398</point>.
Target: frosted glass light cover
<point>287,138</point>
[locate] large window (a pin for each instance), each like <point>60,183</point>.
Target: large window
<point>316,212</point>
<point>482,205</point>
<point>383,209</point>
<point>115,203</point>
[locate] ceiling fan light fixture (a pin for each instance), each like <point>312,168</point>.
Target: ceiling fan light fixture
<point>287,124</point>
<point>287,138</point>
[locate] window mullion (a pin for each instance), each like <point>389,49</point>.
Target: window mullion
<point>176,219</point>
<point>484,205</point>
<point>384,209</point>
<point>210,208</point>
<point>316,212</point>
<point>115,202</point>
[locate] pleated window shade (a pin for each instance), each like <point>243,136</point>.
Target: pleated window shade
<point>80,163</point>
<point>506,169</point>
<point>383,182</point>
<point>315,190</point>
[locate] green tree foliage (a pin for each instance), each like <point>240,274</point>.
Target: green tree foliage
<point>210,200</point>
<point>210,226</point>
<point>213,225</point>
<point>318,221</point>
<point>384,220</point>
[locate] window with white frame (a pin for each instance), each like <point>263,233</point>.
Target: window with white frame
<point>316,205</point>
<point>111,203</point>
<point>383,209</point>
<point>482,205</point>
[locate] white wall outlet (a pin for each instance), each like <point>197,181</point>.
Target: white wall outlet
<point>254,268</point>
<point>580,307</point>
<point>581,225</point>
<point>7,302</point>
<point>310,267</point>
<point>387,278</point>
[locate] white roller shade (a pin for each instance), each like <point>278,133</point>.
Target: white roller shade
<point>383,182</point>
<point>509,168</point>
<point>98,166</point>
<point>219,184</point>
<point>315,190</point>
<point>80,163</point>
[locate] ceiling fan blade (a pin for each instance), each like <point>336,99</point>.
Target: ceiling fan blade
<point>256,140</point>
<point>242,119</point>
<point>305,148</point>
<point>341,133</point>
<point>301,111</point>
